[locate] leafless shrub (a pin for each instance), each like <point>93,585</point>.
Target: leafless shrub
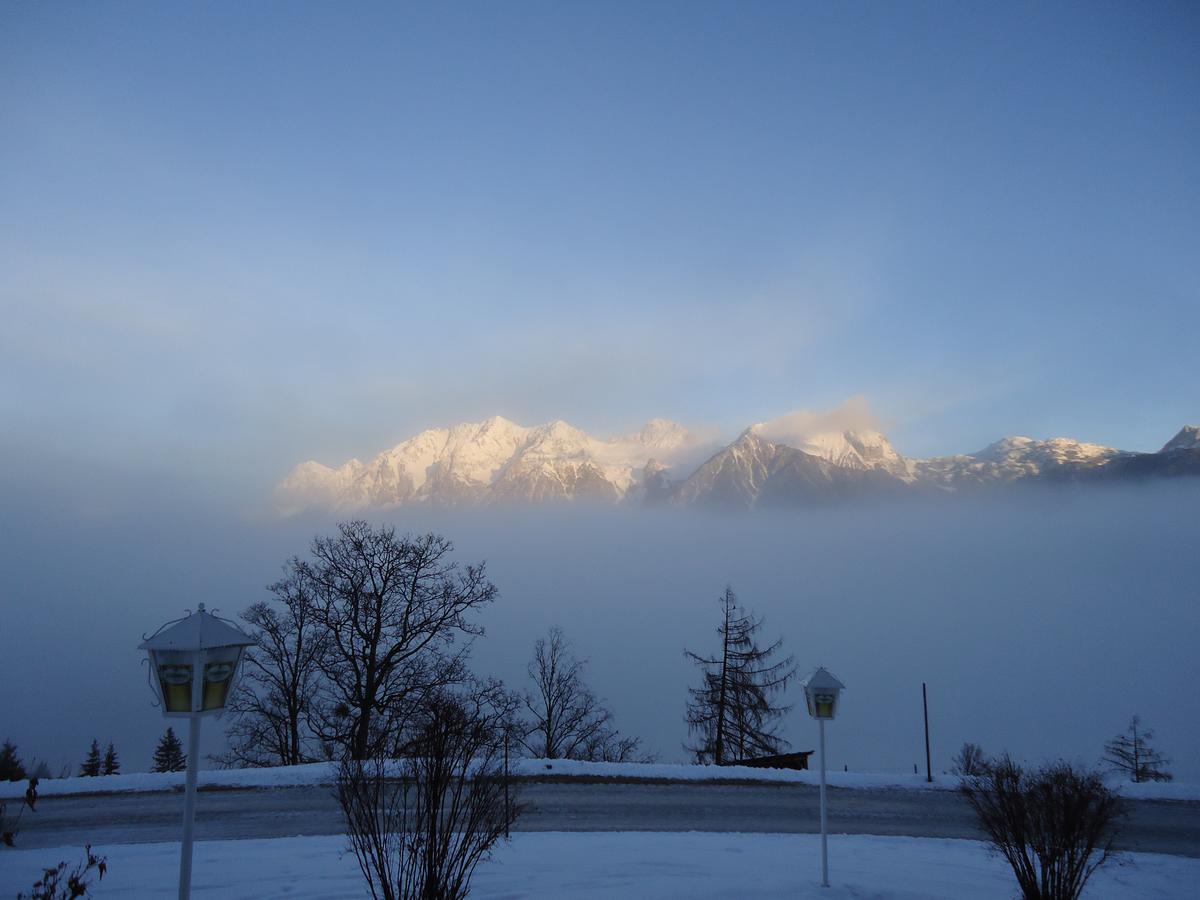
<point>1055,826</point>
<point>420,827</point>
<point>10,825</point>
<point>64,883</point>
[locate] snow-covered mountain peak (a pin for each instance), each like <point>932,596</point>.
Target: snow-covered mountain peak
<point>793,460</point>
<point>1054,451</point>
<point>557,439</point>
<point>1004,447</point>
<point>859,449</point>
<point>1187,439</point>
<point>491,461</point>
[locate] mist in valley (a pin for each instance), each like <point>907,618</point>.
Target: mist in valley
<point>1041,620</point>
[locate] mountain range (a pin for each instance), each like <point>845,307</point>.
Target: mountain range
<point>498,461</point>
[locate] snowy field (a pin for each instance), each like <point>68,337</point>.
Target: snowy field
<point>324,773</point>
<point>596,865</point>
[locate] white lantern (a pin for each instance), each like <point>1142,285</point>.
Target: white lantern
<point>821,693</point>
<point>193,667</point>
<point>199,644</point>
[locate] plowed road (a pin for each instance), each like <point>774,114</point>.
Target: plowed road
<point>1153,826</point>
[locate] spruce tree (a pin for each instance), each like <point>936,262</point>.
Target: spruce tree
<point>11,767</point>
<point>169,755</point>
<point>732,712</point>
<point>91,765</point>
<point>112,765</point>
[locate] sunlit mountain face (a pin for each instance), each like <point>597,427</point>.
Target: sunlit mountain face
<point>500,462</point>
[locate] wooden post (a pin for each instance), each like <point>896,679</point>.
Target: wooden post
<point>925,704</point>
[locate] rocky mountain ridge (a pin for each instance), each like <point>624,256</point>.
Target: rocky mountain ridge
<point>498,461</point>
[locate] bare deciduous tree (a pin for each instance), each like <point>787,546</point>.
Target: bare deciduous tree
<point>970,760</point>
<point>391,608</point>
<point>418,833</point>
<point>270,708</point>
<point>568,720</point>
<point>1131,754</point>
<point>732,711</point>
<point>1055,826</point>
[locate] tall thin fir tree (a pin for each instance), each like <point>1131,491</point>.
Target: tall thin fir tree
<point>733,714</point>
<point>92,765</point>
<point>1131,754</point>
<point>169,755</point>
<point>111,764</point>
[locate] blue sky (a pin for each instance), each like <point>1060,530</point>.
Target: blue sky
<point>235,236</point>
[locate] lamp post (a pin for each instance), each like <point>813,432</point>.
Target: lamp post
<point>193,667</point>
<point>821,692</point>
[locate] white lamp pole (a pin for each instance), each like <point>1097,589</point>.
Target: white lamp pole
<point>824,827</point>
<point>821,693</point>
<point>194,664</point>
<point>189,793</point>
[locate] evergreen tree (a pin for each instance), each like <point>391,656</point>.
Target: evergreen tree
<point>11,767</point>
<point>91,765</point>
<point>1131,754</point>
<point>169,755</point>
<point>112,765</point>
<point>732,712</point>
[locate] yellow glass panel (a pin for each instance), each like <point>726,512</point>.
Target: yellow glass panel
<point>176,683</point>
<point>216,684</point>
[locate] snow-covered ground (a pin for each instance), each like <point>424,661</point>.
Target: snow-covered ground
<point>324,773</point>
<point>595,865</point>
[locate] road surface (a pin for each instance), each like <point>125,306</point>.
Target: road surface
<point>1156,826</point>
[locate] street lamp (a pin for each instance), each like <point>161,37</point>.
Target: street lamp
<point>821,693</point>
<point>193,667</point>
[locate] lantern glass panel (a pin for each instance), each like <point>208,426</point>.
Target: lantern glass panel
<point>175,680</point>
<point>219,668</point>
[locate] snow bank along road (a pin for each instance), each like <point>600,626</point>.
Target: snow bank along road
<point>1154,826</point>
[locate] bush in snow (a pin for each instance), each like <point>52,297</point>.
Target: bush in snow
<point>62,883</point>
<point>1055,826</point>
<point>420,836</point>
<point>10,825</point>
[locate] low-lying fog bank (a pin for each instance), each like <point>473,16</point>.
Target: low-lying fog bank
<point>1041,622</point>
